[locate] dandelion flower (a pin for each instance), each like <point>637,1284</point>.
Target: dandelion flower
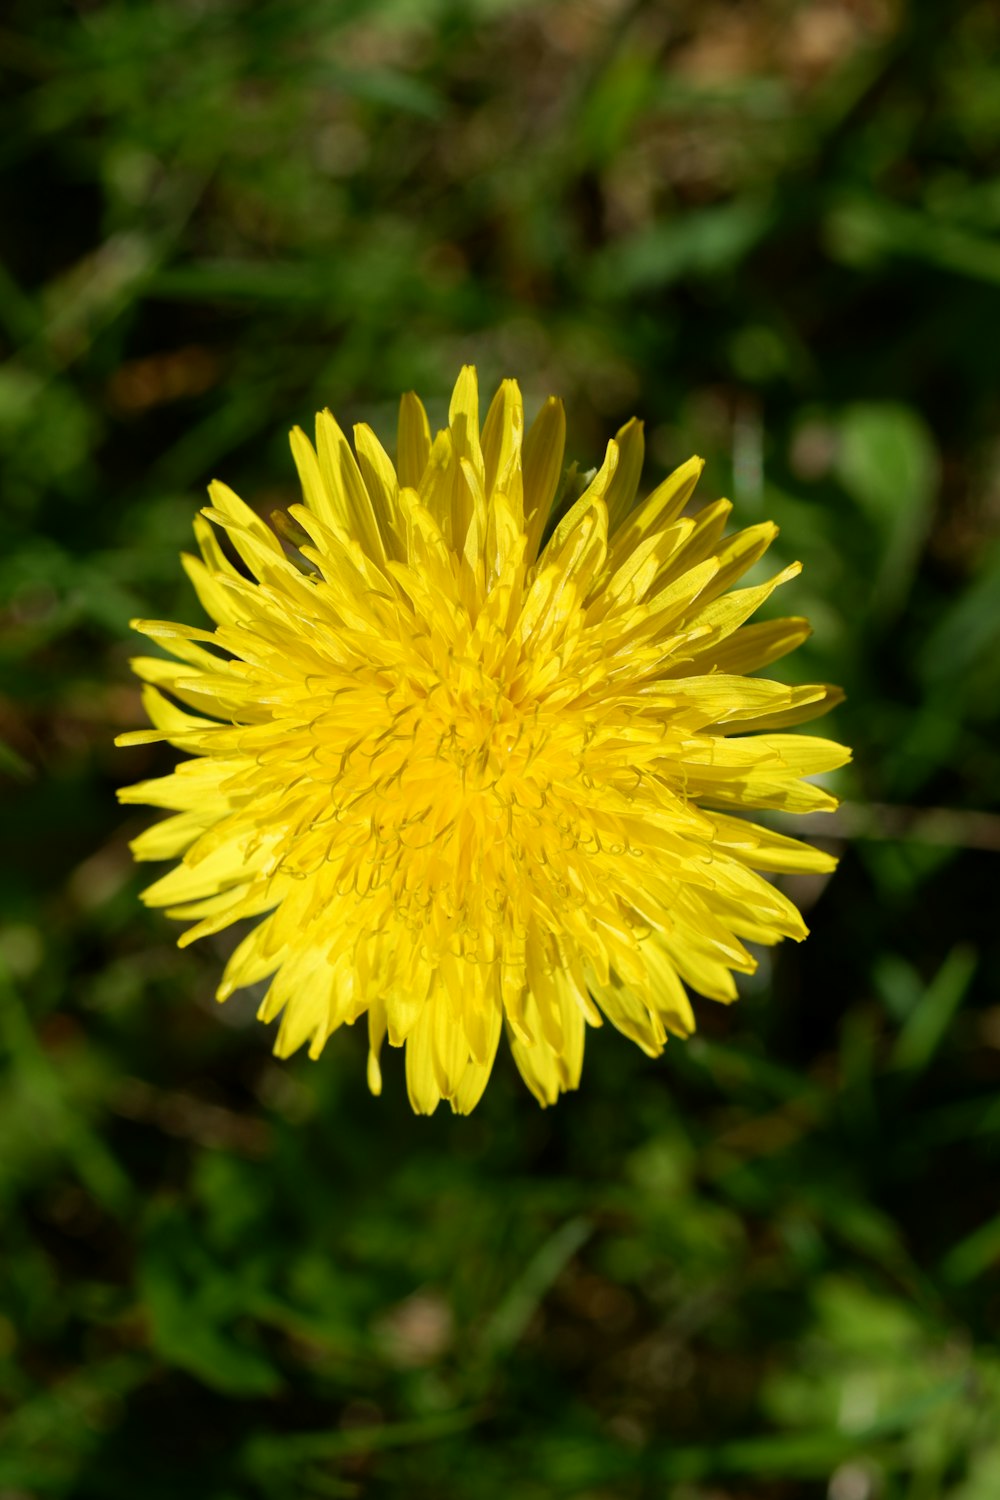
<point>468,770</point>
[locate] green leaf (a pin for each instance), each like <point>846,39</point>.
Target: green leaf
<point>702,242</point>
<point>194,1304</point>
<point>974,1255</point>
<point>888,464</point>
<point>15,765</point>
<point>925,1027</point>
<point>513,1315</point>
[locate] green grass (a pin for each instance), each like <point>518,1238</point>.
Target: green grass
<point>763,1267</point>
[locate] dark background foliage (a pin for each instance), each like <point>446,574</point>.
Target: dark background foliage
<point>764,1267</point>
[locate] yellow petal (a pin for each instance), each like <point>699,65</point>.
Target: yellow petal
<point>630,1015</point>
<point>169,837</point>
<point>668,996</point>
<point>376,1036</point>
<point>592,496</point>
<point>477,1072</point>
<point>313,489</point>
<point>413,443</point>
<point>750,647</point>
<point>722,616</point>
<point>739,553</point>
<point>544,450</point>
<point>621,492</point>
<point>342,481</point>
<point>658,510</point>
<point>503,434</point>
<point>765,849</point>
<point>463,419</point>
<point>381,483</point>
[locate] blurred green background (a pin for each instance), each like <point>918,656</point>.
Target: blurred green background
<point>764,1267</point>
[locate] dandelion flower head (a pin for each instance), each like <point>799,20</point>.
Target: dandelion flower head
<point>468,743</point>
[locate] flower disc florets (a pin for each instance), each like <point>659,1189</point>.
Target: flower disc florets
<point>468,771</point>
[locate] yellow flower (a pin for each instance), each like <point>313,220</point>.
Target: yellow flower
<point>467,774</point>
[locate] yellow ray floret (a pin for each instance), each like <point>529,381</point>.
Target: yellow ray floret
<point>471,755</point>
